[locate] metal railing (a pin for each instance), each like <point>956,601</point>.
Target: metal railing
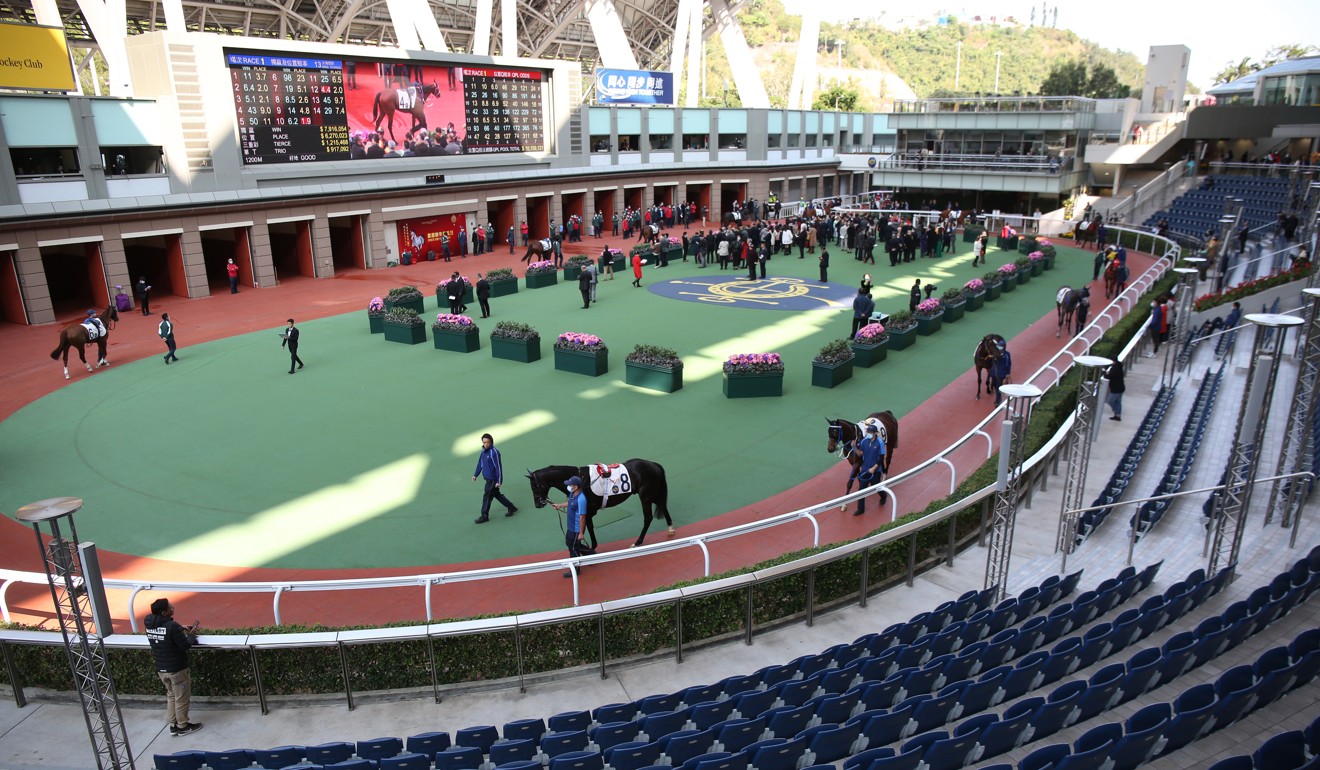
<point>996,103</point>
<point>1048,375</point>
<point>1010,164</point>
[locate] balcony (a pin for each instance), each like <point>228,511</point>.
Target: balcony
<point>1067,113</point>
<point>1024,173</point>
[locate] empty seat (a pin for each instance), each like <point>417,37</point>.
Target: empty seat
<point>554,744</point>
<point>613,712</point>
<point>1285,751</point>
<point>457,758</point>
<point>529,728</point>
<point>283,756</point>
<point>710,713</point>
<point>633,756</point>
<point>658,725</point>
<point>567,721</point>
<point>578,760</point>
<point>478,737</point>
<point>417,762</point>
<point>1044,757</point>
<point>179,760</point>
<point>738,734</point>
<point>379,748</point>
<point>234,759</point>
<point>329,753</point>
<point>428,744</point>
<point>776,753</point>
<point>683,745</point>
<point>652,704</point>
<point>516,750</point>
<point>830,743</point>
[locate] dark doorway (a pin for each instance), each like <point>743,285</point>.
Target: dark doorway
<point>632,197</point>
<point>538,216</point>
<point>605,205</point>
<point>700,195</point>
<point>730,192</point>
<point>347,250</point>
<point>75,278</point>
<point>160,259</point>
<point>220,246</point>
<point>573,205</point>
<point>11,293</point>
<point>501,214</point>
<point>665,193</point>
<point>291,250</point>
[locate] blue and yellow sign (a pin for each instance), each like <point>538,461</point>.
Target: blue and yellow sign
<point>634,87</point>
<point>35,58</point>
<point>773,293</point>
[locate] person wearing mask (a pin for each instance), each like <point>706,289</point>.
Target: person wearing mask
<point>576,514</point>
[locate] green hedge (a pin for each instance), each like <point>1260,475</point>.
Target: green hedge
<point>643,632</point>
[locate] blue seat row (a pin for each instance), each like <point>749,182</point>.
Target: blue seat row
<point>1127,464</point>
<point>1292,750</point>
<point>1184,454</point>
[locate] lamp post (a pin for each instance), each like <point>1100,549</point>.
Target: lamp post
<point>1079,440</point>
<point>1012,451</point>
<point>957,70</point>
<point>998,56</point>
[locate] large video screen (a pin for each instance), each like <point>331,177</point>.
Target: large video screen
<point>294,109</point>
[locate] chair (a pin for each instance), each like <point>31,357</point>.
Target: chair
<point>683,745</point>
<point>422,762</point>
<point>456,758</point>
<point>1090,759</point>
<point>179,760</point>
<point>234,759</point>
<point>528,728</point>
<point>1095,645</point>
<point>1063,660</point>
<point>1177,654</point>
<point>478,737</point>
<point>984,692</point>
<point>909,760</point>
<point>1285,751</point>
<point>787,721</point>
<point>660,724</point>
<point>1045,757</point>
<point>795,692</point>
<point>1026,676</point>
<point>578,760</point>
<point>753,704</point>
<point>949,753</point>
<point>610,712</point>
<point>329,753</point>
<point>1011,731</point>
<point>1236,690</point>
<point>863,759</point>
<point>1234,763</point>
<point>830,743</point>
<point>836,709</point>
<point>428,744</point>
<point>652,704</point>
<point>377,748</point>
<point>776,754</point>
<point>632,756</point>
<point>1143,738</point>
<point>738,734</point>
<point>701,693</point>
<point>504,752</point>
<point>882,727</point>
<point>717,761</point>
<point>1143,671</point>
<point>283,756</point>
<point>1193,716</point>
<point>731,686</point>
<point>554,744</point>
<point>351,764</point>
<point>566,722</point>
<point>711,713</point>
<point>1059,710</point>
<point>881,695</point>
<point>1102,692</point>
<point>938,711</point>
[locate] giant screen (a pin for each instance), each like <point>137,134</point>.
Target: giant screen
<point>294,108</point>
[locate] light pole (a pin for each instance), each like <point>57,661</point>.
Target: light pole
<point>1012,452</point>
<point>957,70</point>
<point>998,55</point>
<point>838,45</point>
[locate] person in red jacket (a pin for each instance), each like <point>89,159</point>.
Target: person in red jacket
<point>232,269</point>
<point>637,263</point>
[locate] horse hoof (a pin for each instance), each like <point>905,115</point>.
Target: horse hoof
<point>671,532</point>
<point>66,376</point>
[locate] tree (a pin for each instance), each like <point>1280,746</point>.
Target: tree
<point>1232,71</point>
<point>1277,54</point>
<point>1104,84</point>
<point>1065,79</point>
<point>837,97</point>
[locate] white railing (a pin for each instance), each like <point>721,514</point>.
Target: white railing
<point>1048,375</point>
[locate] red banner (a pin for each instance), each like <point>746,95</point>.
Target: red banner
<point>422,235</point>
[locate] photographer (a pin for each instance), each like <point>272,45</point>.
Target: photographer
<point>170,643</point>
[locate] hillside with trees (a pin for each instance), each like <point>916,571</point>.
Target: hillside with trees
<point>883,64</point>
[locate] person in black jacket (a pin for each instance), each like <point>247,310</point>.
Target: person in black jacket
<point>290,340</point>
<point>863,307</point>
<point>1115,376</point>
<point>483,295</point>
<point>825,267</point>
<point>170,643</point>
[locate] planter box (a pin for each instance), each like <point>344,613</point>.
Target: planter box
<point>753,385</point>
<point>1037,267</point>
<point>459,342</point>
<point>523,351</point>
<point>867,356</point>
<point>971,233</point>
<point>581,362</point>
<point>418,304</point>
<point>674,254</point>
<point>659,378</point>
<point>409,334</point>
<point>954,313</point>
<point>830,375</point>
<point>571,273</point>
<point>1006,244</point>
<point>376,323</point>
<point>1023,276</point>
<point>1049,262</point>
<point>541,280</point>
<point>504,288</point>
<point>928,326</point>
<point>617,260</point>
<point>442,298</point>
<point>1026,245</point>
<point>975,301</point>
<point>1009,284</point>
<point>903,339</point>
<point>992,292</point>
<point>405,258</point>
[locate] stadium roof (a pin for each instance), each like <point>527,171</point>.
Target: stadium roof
<point>1247,83</point>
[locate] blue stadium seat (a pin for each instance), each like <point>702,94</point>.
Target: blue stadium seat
<point>415,762</point>
<point>1236,689</point>
<point>234,759</point>
<point>379,748</point>
<point>738,734</point>
<point>776,753</point>
<point>937,711</point>
<point>530,728</point>
<point>881,695</point>
<point>610,712</point>
<point>1193,717</point>
<point>1012,730</point>
<point>949,753</point>
<point>701,693</point>
<point>578,760</point>
<point>1234,763</point>
<point>429,744</point>
<point>984,692</point>
<point>1026,676</point>
<point>352,764</point>
<point>830,743</point>
<point>477,737</point>
<point>1177,656</point>
<point>836,708</point>
<point>862,759</point>
<point>683,745</point>
<point>457,758</point>
<point>1044,757</point>
<point>179,760</point>
<point>1143,671</point>
<point>910,760</point>
<point>710,713</point>
<point>516,750</point>
<point>1063,660</point>
<point>554,744</point>
<point>338,751</point>
<point>633,756</point>
<point>787,721</point>
<point>1059,710</point>
<point>521,764</point>
<point>658,725</point>
<point>754,703</point>
<point>717,761</point>
<point>283,756</point>
<point>795,692</point>
<point>653,704</point>
<point>1143,737</point>
<point>1285,751</point>
<point>885,726</point>
<point>1103,691</point>
<point>567,721</point>
<point>733,685</point>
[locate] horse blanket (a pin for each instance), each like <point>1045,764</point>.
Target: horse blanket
<point>861,429</point>
<point>407,97</point>
<point>94,329</point>
<point>605,479</point>
<point>1062,295</point>
<point>546,245</point>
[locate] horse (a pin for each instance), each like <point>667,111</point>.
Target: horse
<point>536,248</point>
<point>1085,232</point>
<point>643,478</point>
<point>987,352</point>
<point>387,103</point>
<point>1111,279</point>
<point>842,435</point>
<point>75,336</point>
<point>1065,306</point>
<point>648,234</point>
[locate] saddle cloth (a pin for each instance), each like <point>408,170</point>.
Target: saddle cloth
<point>93,330</point>
<point>407,96</point>
<point>545,245</point>
<point>1062,295</point>
<point>609,479</point>
<point>861,429</point>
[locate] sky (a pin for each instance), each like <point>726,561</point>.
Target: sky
<point>1217,32</point>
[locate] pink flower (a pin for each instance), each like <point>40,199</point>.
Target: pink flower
<point>870,333</point>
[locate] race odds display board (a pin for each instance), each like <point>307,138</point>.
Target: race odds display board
<point>296,109</point>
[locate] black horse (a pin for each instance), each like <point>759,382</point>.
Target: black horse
<point>643,478</point>
<point>843,433</point>
<point>1066,301</point>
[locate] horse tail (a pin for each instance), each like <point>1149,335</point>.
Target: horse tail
<point>375,111</point>
<point>55,354</point>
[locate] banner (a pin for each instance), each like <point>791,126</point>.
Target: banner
<point>420,236</point>
<point>634,87</point>
<point>35,58</point>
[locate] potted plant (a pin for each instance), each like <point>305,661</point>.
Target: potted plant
<point>672,247</point>
<point>930,316</point>
<point>975,291</point>
<point>581,354</point>
<point>994,284</point>
<point>540,274</point>
<point>376,315</point>
<point>902,330</point>
<point>752,375</point>
<point>832,365</point>
<point>616,258</point>
<point>1023,270</point>
<point>1036,260</point>
<point>573,267</point>
<point>656,368</point>
<point>1048,251</point>
<point>515,341</point>
<point>972,232</point>
<point>870,346</point>
<point>1026,244</point>
<point>442,292</point>
<point>403,324</point>
<point>406,296</point>
<point>455,332</point>
<point>1008,276</point>
<point>502,282</point>
<point>955,303</point>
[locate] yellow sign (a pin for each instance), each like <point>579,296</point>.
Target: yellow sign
<point>35,58</point>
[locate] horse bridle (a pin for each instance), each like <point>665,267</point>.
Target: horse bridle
<point>841,448</point>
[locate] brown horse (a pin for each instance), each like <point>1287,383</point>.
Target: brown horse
<point>536,248</point>
<point>75,336</point>
<point>842,435</point>
<point>649,234</point>
<point>387,103</point>
<point>1065,306</point>
<point>1085,232</point>
<point>1111,279</point>
<point>987,352</point>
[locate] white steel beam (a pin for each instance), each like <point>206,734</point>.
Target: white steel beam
<point>745,74</point>
<point>801,88</point>
<point>508,28</point>
<point>481,32</point>
<point>611,41</point>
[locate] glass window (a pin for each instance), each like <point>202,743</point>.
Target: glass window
<point>598,120</point>
<point>37,122</point>
<point>732,121</point>
<point>661,141</point>
<point>696,141</point>
<point>126,161</point>
<point>126,122</point>
<point>600,142</point>
<point>629,121</point>
<point>660,121</point>
<point>630,143</point>
<point>45,161</point>
<point>772,141</point>
<point>733,141</point>
<point>696,122</point>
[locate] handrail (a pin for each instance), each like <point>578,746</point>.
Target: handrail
<point>1056,367</point>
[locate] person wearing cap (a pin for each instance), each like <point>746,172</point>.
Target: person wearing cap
<point>872,450</point>
<point>232,270</point>
<point>170,642</point>
<point>1000,369</point>
<point>576,506</point>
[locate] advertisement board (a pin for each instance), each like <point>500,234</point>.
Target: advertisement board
<point>423,234</point>
<point>634,87</point>
<point>35,58</point>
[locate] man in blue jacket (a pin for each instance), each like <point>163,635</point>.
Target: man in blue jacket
<point>576,506</point>
<point>490,466</point>
<point>170,643</point>
<point>872,449</point>
<point>863,307</point>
